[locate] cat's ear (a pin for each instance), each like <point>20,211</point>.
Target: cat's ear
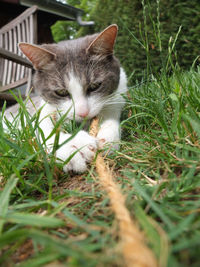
<point>104,42</point>
<point>39,56</point>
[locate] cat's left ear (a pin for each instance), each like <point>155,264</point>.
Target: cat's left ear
<point>104,42</point>
<point>40,57</point>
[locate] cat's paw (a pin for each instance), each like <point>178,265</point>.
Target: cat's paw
<point>83,148</point>
<point>110,144</point>
<point>108,137</point>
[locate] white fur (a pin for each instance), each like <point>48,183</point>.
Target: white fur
<point>80,101</point>
<point>110,116</point>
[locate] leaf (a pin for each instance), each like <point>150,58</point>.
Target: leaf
<point>173,97</point>
<point>153,205</point>
<point>34,220</point>
<point>4,199</point>
<point>195,123</point>
<point>182,226</point>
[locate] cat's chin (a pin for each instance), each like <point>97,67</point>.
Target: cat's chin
<point>81,119</point>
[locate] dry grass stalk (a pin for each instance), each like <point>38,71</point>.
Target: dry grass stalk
<point>135,251</point>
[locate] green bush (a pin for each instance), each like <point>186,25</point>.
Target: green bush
<point>147,31</point>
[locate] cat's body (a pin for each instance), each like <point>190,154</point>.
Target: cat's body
<point>83,79</point>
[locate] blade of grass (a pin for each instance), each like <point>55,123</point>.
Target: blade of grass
<point>4,199</point>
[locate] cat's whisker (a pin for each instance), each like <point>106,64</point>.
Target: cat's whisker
<point>114,100</point>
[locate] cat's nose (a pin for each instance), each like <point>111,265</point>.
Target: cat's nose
<point>82,108</point>
<point>83,114</point>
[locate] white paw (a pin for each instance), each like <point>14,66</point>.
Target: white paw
<point>106,143</point>
<point>108,137</point>
<point>82,148</point>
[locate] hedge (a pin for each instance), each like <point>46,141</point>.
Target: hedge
<point>146,31</point>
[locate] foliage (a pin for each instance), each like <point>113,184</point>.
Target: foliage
<point>63,30</point>
<point>145,30</point>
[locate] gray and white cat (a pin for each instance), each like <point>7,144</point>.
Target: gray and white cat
<point>83,77</point>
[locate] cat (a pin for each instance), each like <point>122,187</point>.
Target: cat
<point>85,79</point>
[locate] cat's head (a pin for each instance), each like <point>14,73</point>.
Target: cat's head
<point>80,74</point>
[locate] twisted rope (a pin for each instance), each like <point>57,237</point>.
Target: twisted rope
<point>135,251</point>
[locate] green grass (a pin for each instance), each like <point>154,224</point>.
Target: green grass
<point>48,216</point>
<point>162,160</point>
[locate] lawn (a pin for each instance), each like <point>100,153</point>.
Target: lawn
<point>49,218</point>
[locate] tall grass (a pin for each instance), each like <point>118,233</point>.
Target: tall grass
<point>162,159</point>
<point>47,216</point>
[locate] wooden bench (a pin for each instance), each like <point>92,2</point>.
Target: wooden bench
<point>15,69</point>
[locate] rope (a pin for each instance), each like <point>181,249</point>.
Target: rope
<point>135,251</point>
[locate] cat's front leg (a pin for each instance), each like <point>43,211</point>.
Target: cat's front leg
<point>109,132</point>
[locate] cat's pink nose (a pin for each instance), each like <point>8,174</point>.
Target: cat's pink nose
<point>82,108</point>
<point>83,114</point>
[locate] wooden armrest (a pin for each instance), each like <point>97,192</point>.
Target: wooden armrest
<point>14,57</point>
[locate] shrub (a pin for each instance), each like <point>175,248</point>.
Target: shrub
<point>145,30</point>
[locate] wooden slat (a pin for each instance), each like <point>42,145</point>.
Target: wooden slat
<point>34,27</point>
<point>15,51</point>
<point>6,61</point>
<point>27,30</point>
<point>31,27</point>
<point>28,88</point>
<point>1,59</point>
<point>9,55</point>
<point>10,63</point>
<point>13,85</point>
<point>19,39</point>
<point>23,32</point>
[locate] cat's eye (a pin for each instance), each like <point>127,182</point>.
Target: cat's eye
<point>62,93</point>
<point>93,87</point>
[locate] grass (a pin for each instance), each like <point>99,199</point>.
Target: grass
<point>162,158</point>
<point>48,216</point>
